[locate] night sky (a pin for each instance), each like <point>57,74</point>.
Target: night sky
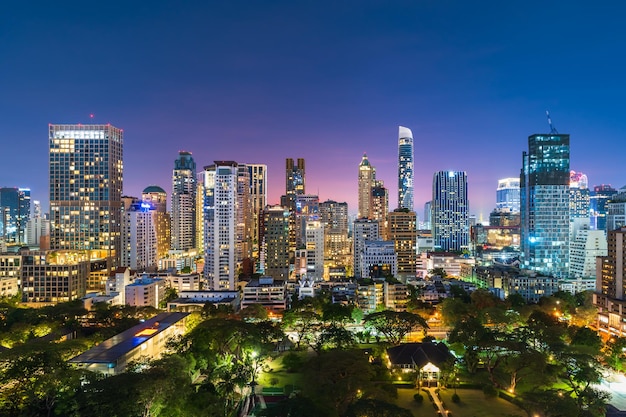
<point>261,81</point>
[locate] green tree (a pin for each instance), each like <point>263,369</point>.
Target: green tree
<point>394,324</point>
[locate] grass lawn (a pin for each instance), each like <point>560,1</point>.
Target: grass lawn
<point>405,400</point>
<point>474,404</point>
<point>276,370</point>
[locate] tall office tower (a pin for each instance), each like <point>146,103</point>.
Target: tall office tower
<point>428,212</point>
<point>184,202</point>
<point>295,183</point>
<point>275,242</point>
<point>380,209</point>
<point>220,217</point>
<point>364,230</point>
<point>258,199</point>
<point>334,217</point>
<point>598,199</point>
<point>14,213</point>
<point>544,196</point>
<point>157,197</point>
<point>86,178</point>
<point>403,233</point>
<point>450,211</point>
<point>244,216</point>
<point>367,177</point>
<point>314,244</point>
<point>307,209</point>
<point>405,168</point>
<point>139,238</point>
<point>586,246</point>
<point>507,195</point>
<point>199,212</point>
<point>610,296</point>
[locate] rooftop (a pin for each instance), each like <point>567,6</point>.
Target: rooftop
<point>119,345</point>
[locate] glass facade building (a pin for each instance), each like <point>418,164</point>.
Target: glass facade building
<point>507,195</point>
<point>86,176</point>
<point>450,211</point>
<point>14,213</point>
<point>598,199</point>
<point>405,168</point>
<point>545,204</point>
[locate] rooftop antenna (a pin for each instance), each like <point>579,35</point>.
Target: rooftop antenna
<point>552,128</point>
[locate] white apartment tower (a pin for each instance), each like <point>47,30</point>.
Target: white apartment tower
<point>220,214</point>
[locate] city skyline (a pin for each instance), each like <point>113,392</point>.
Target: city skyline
<point>258,84</point>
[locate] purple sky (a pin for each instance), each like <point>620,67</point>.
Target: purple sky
<point>259,82</point>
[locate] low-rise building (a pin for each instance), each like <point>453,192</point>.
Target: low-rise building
<point>145,292</point>
<point>195,300</point>
<point>267,291</point>
<point>147,339</point>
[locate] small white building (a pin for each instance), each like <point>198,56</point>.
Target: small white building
<point>267,291</point>
<point>145,292</point>
<point>378,259</point>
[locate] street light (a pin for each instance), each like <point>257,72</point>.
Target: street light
<point>455,385</point>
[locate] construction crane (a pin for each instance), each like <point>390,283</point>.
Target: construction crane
<point>553,130</point>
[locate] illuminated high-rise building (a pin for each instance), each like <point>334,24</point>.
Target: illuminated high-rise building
<point>275,242</point>
<point>380,208</point>
<point>314,245</point>
<point>403,233</point>
<point>157,197</point>
<point>450,211</point>
<point>367,177</point>
<point>294,182</point>
<point>334,217</point>
<point>545,204</point>
<point>220,225</point>
<point>139,237</point>
<point>258,201</point>
<point>507,195</point>
<point>86,177</point>
<point>579,196</point>
<point>184,202</point>
<point>14,213</point>
<point>598,200</point>
<point>610,296</point>
<point>307,209</point>
<point>244,216</point>
<point>405,168</point>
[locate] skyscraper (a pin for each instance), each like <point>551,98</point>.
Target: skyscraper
<point>184,202</point>
<point>139,236</point>
<point>367,175</point>
<point>545,209</point>
<point>403,233</point>
<point>294,181</point>
<point>610,297</point>
<point>220,220</point>
<point>334,217</point>
<point>86,176</point>
<point>258,200</point>
<point>450,211</point>
<point>275,242</point>
<point>380,208</point>
<point>14,213</point>
<point>405,168</point>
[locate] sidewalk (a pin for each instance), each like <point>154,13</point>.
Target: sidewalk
<point>437,401</point>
